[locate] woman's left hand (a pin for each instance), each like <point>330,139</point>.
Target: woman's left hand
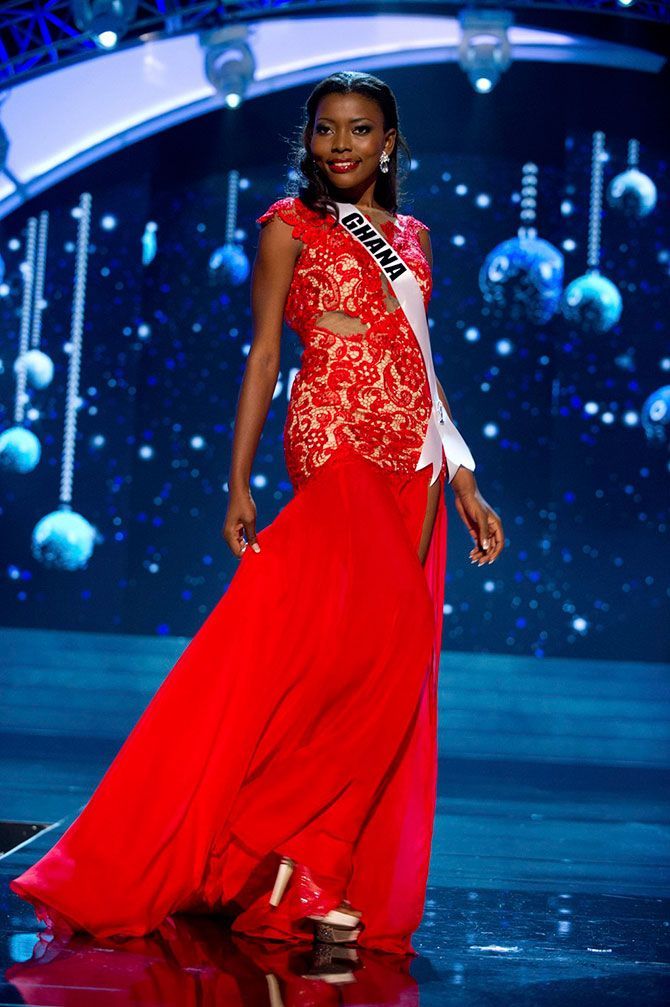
<point>481,520</point>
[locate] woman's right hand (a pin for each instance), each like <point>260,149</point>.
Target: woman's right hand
<point>240,523</point>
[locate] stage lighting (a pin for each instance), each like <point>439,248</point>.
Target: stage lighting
<point>107,39</point>
<point>229,62</point>
<point>484,51</point>
<point>106,21</point>
<point>483,84</point>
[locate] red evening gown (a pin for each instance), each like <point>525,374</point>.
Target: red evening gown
<point>300,720</point>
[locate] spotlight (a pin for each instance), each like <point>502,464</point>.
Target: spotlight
<point>107,39</point>
<point>625,3</point>
<point>483,84</point>
<point>229,62</point>
<point>106,21</point>
<point>484,51</point>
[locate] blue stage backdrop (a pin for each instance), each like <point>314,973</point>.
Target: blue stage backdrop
<point>553,413</point>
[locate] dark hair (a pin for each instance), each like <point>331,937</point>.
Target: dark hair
<point>315,193</point>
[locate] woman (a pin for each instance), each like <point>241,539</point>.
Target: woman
<point>284,773</point>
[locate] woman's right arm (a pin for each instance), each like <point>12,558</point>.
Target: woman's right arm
<point>270,281</point>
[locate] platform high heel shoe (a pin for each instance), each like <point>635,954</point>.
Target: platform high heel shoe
<point>338,926</point>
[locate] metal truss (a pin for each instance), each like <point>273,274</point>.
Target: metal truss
<point>38,35</point>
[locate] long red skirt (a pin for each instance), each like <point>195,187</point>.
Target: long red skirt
<point>300,720</point>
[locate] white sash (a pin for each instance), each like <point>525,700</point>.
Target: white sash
<point>441,430</point>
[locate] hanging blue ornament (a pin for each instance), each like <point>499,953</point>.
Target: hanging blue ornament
<point>149,243</point>
<point>592,302</point>
<point>523,276</point>
<point>20,450</point>
<point>229,264</point>
<point>632,192</point>
<point>655,415</point>
<point>39,368</point>
<point>63,540</point>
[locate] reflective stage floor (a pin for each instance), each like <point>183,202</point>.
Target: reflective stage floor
<point>550,867</point>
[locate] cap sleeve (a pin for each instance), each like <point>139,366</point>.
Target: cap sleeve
<point>284,208</point>
<point>417,225</point>
<point>306,225</point>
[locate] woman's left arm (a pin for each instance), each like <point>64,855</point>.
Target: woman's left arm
<point>481,520</point>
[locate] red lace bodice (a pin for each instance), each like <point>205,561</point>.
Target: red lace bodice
<point>362,378</point>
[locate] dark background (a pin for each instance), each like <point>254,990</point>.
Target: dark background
<point>584,504</point>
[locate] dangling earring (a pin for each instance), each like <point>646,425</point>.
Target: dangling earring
<point>384,162</point>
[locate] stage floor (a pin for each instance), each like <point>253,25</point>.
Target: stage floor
<point>550,876</point>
